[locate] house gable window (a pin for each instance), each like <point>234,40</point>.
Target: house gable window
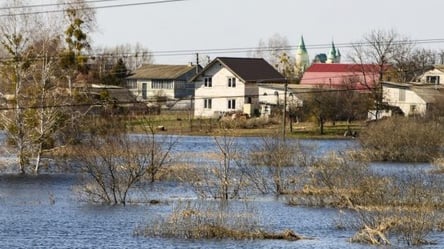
<point>208,82</point>
<point>208,103</point>
<point>231,104</point>
<point>231,82</point>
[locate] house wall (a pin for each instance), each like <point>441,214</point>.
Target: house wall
<point>431,75</point>
<point>180,89</point>
<point>407,100</point>
<point>271,96</point>
<point>219,93</point>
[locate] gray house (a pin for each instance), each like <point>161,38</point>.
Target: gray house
<point>170,82</point>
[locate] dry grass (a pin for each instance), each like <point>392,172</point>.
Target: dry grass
<point>211,220</point>
<point>409,207</point>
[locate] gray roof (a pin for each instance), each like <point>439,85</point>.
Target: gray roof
<point>167,72</point>
<point>252,70</point>
<point>119,94</point>
<point>430,93</point>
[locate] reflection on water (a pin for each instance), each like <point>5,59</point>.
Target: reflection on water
<point>43,212</point>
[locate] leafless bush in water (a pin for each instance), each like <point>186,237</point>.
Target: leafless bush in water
<point>403,139</point>
<point>280,160</point>
<point>407,205</point>
<point>115,162</point>
<point>212,220</point>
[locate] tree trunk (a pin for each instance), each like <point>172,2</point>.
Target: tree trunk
<point>38,158</point>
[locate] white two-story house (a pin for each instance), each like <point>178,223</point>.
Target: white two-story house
<point>230,85</point>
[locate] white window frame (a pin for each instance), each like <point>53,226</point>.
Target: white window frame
<point>208,82</point>
<point>208,103</point>
<point>231,104</point>
<point>231,82</point>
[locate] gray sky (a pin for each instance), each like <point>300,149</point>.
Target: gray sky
<point>220,24</point>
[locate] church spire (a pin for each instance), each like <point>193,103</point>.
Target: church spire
<point>302,59</point>
<point>332,55</point>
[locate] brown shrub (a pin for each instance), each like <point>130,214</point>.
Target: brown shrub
<point>212,220</point>
<point>403,139</point>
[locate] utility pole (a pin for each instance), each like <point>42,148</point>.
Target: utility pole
<point>284,112</point>
<point>197,63</point>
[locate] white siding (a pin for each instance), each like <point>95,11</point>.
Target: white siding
<point>408,101</point>
<point>220,93</point>
<point>169,93</point>
<point>436,73</point>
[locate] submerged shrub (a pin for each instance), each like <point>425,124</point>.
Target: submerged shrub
<point>212,220</point>
<point>407,206</point>
<point>403,139</point>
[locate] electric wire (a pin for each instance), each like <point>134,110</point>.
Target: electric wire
<point>91,8</point>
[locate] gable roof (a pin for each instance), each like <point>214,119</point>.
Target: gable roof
<point>430,93</point>
<point>341,68</point>
<point>250,70</point>
<point>158,71</point>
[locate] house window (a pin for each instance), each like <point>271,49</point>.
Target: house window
<point>433,79</point>
<point>231,82</point>
<point>208,82</point>
<point>208,103</point>
<point>249,100</point>
<point>161,84</point>
<point>131,84</point>
<point>412,109</point>
<point>231,104</point>
<point>401,94</point>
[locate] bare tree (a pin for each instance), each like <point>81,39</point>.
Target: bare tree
<point>105,60</point>
<point>412,63</point>
<point>48,98</point>
<point>279,158</point>
<point>322,104</point>
<point>379,48</point>
<point>225,179</point>
<point>80,21</point>
<point>272,49</point>
<point>116,161</point>
<point>16,37</point>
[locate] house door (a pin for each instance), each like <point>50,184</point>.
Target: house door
<point>144,90</point>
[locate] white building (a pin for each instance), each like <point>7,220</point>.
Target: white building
<point>229,85</point>
<point>434,76</point>
<point>273,95</point>
<point>412,98</point>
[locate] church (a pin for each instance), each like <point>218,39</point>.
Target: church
<point>302,59</point>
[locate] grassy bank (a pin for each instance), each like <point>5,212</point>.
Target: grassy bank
<point>180,123</point>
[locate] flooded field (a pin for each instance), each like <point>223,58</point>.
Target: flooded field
<point>44,212</point>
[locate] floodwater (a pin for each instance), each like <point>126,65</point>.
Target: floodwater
<point>44,212</point>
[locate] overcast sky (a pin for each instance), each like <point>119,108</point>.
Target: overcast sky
<point>220,24</point>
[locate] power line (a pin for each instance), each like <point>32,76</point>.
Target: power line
<point>50,5</point>
<point>92,8</point>
<point>230,50</point>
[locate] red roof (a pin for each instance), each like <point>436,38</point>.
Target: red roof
<point>342,68</point>
<point>340,75</point>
